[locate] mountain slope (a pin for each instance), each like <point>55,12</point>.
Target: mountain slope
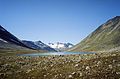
<point>44,46</point>
<point>9,41</point>
<point>105,38</point>
<point>6,45</point>
<point>31,44</point>
<point>38,45</point>
<point>8,38</point>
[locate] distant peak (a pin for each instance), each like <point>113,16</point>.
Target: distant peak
<point>39,41</point>
<point>114,19</point>
<point>117,16</point>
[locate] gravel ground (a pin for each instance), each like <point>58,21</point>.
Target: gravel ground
<point>86,66</point>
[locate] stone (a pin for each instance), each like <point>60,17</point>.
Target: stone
<point>70,76</point>
<point>99,62</point>
<point>118,73</point>
<point>29,70</point>
<point>110,66</point>
<point>81,74</point>
<point>118,65</point>
<point>45,75</point>
<point>87,68</point>
<point>76,65</point>
<point>51,65</point>
<point>73,73</point>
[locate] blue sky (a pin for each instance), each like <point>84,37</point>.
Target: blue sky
<point>56,20</point>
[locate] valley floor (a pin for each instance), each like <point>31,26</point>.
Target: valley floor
<point>87,66</point>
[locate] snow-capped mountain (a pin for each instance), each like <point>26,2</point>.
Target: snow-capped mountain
<point>38,45</point>
<point>60,46</point>
<point>9,41</point>
<point>44,46</point>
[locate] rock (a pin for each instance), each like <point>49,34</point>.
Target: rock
<point>29,70</point>
<point>60,74</point>
<point>118,73</point>
<point>39,63</point>
<point>81,74</point>
<point>118,65</point>
<point>83,66</point>
<point>110,66</point>
<point>55,76</point>
<point>99,62</point>
<point>73,73</point>
<point>76,65</point>
<point>87,68</point>
<point>113,54</point>
<point>114,61</point>
<point>51,65</point>
<point>45,75</point>
<point>70,76</point>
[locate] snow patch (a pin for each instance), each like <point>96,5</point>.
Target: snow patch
<point>3,40</point>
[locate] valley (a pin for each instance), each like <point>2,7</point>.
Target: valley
<point>59,39</point>
<point>103,63</point>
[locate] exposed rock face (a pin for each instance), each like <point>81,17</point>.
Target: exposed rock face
<point>105,37</point>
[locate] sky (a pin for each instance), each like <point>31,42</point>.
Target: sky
<point>56,20</point>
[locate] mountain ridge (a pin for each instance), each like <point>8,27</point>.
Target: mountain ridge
<point>38,45</point>
<point>7,36</point>
<point>9,41</point>
<point>60,46</point>
<point>106,37</point>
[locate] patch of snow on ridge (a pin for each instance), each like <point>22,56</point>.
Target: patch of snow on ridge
<point>3,40</point>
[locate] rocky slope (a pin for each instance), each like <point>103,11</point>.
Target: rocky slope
<point>105,38</point>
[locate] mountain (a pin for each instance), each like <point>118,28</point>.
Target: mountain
<point>60,46</point>
<point>6,45</point>
<point>44,46</point>
<point>38,45</point>
<point>105,38</point>
<point>31,44</point>
<point>8,40</point>
<point>69,45</point>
